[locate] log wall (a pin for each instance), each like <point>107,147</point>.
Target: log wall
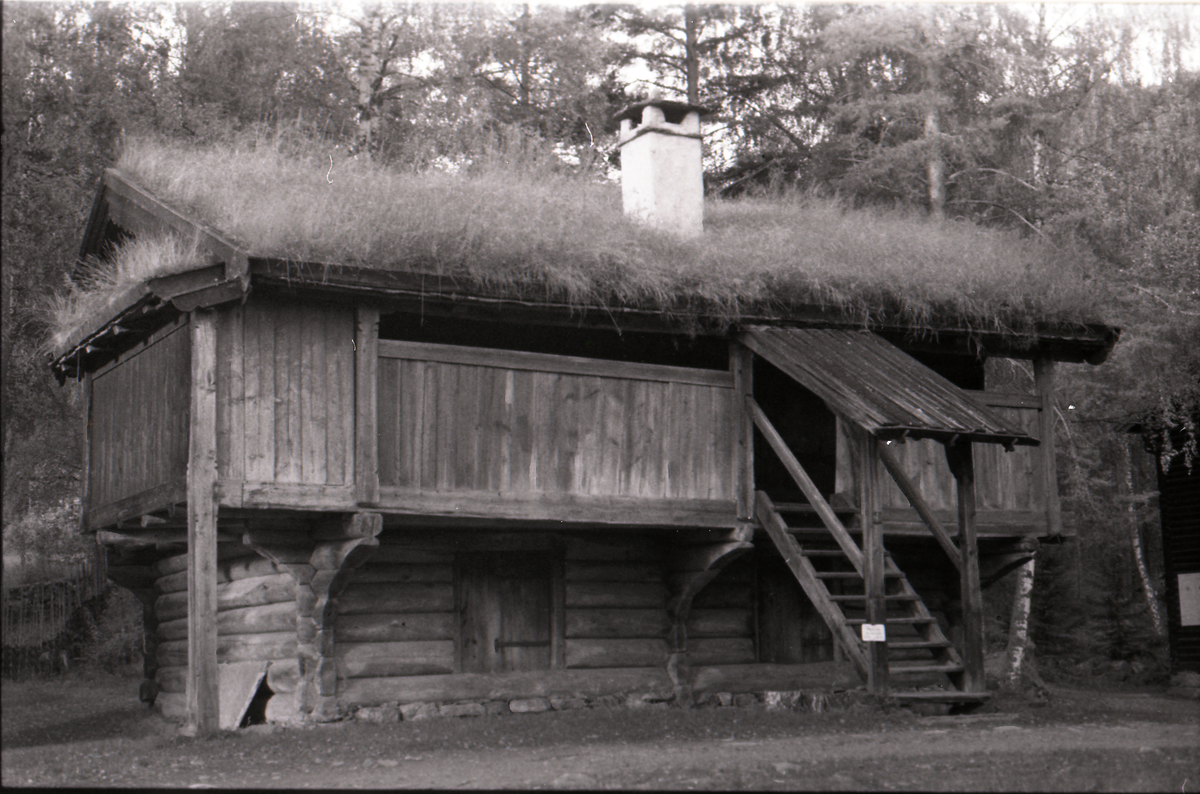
<point>139,422</point>
<point>256,619</point>
<point>615,602</point>
<point>494,421</point>
<point>285,394</point>
<point>721,623</point>
<point>402,619</point>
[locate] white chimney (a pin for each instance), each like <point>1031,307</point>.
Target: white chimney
<point>662,181</point>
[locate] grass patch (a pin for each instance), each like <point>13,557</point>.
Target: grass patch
<point>517,222</point>
<point>133,263</point>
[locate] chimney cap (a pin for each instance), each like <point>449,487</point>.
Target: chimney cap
<point>672,110</point>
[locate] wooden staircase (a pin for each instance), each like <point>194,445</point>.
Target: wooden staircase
<point>829,568</point>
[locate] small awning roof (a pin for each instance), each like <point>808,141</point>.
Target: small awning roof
<point>868,381</point>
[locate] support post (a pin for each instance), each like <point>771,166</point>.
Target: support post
<point>873,564</point>
<point>962,465</point>
<point>366,389</point>
<point>203,697</point>
<point>741,362</point>
<point>1043,377</point>
<point>696,566</point>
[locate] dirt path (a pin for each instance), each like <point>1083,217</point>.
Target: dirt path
<point>92,733</point>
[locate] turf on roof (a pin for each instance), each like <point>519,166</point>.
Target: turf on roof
<point>527,226</point>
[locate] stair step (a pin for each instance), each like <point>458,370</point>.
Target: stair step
<point>804,507</point>
<point>854,575</point>
<point>916,669</point>
<point>890,621</point>
<point>863,597</point>
<point>822,552</point>
<point>905,645</point>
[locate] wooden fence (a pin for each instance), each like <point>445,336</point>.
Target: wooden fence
<point>37,617</point>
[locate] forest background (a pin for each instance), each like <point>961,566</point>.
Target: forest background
<point>1076,124</point>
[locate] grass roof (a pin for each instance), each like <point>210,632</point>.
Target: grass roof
<point>521,223</point>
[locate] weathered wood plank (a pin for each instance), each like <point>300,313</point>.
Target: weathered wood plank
<point>522,463</point>
<point>400,597</point>
<point>390,408</point>
<point>629,511</point>
<point>236,391</point>
<point>853,553</point>
<point>228,570</point>
<point>390,627</point>
<point>616,623</point>
<point>391,572</point>
<point>918,502</point>
<point>616,594</point>
<point>277,617</point>
<point>366,405</point>
<point>504,686</point>
<point>720,623</point>
<point>961,464</point>
<point>1044,377</point>
<point>815,677</point>
<point>545,362</point>
<point>236,648</point>
<point>252,591</point>
<point>591,571</point>
<point>648,652</point>
<point>390,551</point>
<point>723,650</point>
<point>201,596</point>
<point>436,651</point>
<point>316,443</point>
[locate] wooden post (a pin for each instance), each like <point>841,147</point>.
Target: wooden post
<point>741,362</point>
<point>85,495</point>
<point>202,681</point>
<point>366,410</point>
<point>873,564</point>
<point>963,467</point>
<point>1043,376</point>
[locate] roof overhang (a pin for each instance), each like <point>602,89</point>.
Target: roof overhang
<point>230,273</point>
<point>871,383</point>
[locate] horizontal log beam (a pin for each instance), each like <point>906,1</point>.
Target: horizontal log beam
<point>617,510</point>
<point>504,686</point>
<point>817,677</point>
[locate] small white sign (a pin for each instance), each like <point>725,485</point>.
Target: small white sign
<point>874,632</point>
<point>1189,599</point>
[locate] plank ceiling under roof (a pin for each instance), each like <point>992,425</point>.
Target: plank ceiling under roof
<point>869,381</point>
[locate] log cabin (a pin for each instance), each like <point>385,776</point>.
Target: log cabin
<point>334,486</point>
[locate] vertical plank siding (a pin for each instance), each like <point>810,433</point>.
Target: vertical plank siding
<point>139,416</point>
<point>285,409</point>
<point>463,419</point>
<point>1008,483</point>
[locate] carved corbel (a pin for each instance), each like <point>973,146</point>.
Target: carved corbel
<point>333,560</point>
<point>694,567</point>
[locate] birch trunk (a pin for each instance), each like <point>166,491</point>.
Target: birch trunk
<point>1018,629</point>
<point>1135,540</point>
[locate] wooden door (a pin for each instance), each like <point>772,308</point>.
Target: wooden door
<point>506,611</point>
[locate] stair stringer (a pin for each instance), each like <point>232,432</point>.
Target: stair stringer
<point>806,575</point>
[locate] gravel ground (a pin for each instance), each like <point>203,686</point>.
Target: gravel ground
<point>91,731</point>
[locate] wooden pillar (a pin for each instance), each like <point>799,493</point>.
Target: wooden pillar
<point>85,497</point>
<point>962,465</point>
<point>1043,376</point>
<point>366,388</point>
<point>203,701</point>
<point>873,564</point>
<point>741,362</point>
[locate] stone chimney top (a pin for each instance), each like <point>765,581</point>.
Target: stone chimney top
<point>662,181</point>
